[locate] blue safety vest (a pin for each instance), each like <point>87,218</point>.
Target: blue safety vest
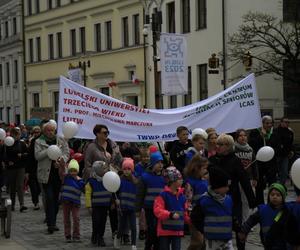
<point>173,204</point>
<point>154,185</point>
<point>139,169</point>
<point>127,194</point>
<point>71,189</point>
<point>100,196</point>
<point>218,217</point>
<point>199,188</point>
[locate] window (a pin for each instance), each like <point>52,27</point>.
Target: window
<point>202,76</point>
<point>291,89</point>
<point>125,32</point>
<point>55,103</point>
<point>136,29</point>
<point>133,100</point>
<point>30,48</point>
<point>38,49</point>
<point>29,7</point>
<point>73,42</point>
<point>98,36</point>
<point>14,26</point>
<point>8,114</point>
<point>16,73</point>
<point>51,46</point>
<point>1,75</point>
<point>188,96</point>
<point>58,3</point>
<point>108,35</point>
<point>36,100</point>
<point>6,29</point>
<point>50,6</point>
<point>104,90</point>
<point>1,113</point>
<point>82,39</point>
<point>59,44</point>
<point>186,16</point>
<point>7,74</point>
<point>201,14</point>
<point>173,101</point>
<point>37,6</point>
<point>171,17</point>
<point>291,10</point>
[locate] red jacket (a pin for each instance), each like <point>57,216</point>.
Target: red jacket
<point>162,214</point>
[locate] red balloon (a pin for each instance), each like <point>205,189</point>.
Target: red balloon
<point>153,149</point>
<point>72,152</point>
<point>78,157</point>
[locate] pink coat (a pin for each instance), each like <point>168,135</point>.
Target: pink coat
<point>162,213</point>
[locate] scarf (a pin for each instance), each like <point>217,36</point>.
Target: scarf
<point>49,141</point>
<point>94,175</point>
<point>217,197</point>
<point>241,147</point>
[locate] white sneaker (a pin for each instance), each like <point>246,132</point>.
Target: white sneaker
<point>117,243</point>
<point>133,247</point>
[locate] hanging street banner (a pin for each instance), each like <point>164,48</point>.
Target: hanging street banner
<point>234,108</point>
<point>75,75</point>
<point>173,62</point>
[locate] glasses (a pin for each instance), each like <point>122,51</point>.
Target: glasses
<point>105,132</point>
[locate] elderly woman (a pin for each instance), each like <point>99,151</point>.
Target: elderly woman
<point>226,159</point>
<point>49,171</point>
<point>103,149</point>
<point>16,156</point>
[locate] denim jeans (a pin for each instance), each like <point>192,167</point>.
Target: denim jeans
<point>128,215</point>
<point>165,242</point>
<point>151,237</point>
<point>51,191</point>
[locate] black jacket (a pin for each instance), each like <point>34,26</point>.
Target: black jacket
<point>177,154</point>
<point>11,155</point>
<point>286,139</point>
<point>233,167</point>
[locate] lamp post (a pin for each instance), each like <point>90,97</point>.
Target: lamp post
<point>83,65</point>
<point>156,21</point>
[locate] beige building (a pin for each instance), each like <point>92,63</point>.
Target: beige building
<point>105,33</point>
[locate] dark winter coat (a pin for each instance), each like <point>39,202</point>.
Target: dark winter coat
<point>177,154</point>
<point>286,139</point>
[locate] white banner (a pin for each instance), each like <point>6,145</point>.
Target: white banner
<point>234,108</point>
<point>174,74</point>
<point>75,75</point>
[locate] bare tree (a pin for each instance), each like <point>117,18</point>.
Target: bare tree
<point>274,44</point>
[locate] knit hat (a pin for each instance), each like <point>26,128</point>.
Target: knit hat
<point>99,168</point>
<point>128,163</point>
<point>218,177</point>
<point>172,174</point>
<point>155,158</point>
<point>73,165</point>
<point>153,149</point>
<point>280,188</point>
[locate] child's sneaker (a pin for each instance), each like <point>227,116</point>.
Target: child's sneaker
<point>117,243</point>
<point>68,239</point>
<point>133,247</point>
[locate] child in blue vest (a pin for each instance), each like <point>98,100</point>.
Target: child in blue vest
<point>170,208</point>
<point>127,201</point>
<point>150,186</point>
<point>272,218</point>
<point>97,200</point>
<point>70,196</point>
<point>212,216</point>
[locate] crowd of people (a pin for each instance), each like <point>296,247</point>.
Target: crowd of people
<point>208,186</point>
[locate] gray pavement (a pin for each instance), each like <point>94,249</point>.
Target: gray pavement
<point>29,232</point>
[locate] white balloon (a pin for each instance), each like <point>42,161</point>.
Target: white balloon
<point>2,134</point>
<point>54,152</point>
<point>53,122</point>
<point>265,154</point>
<point>111,181</point>
<point>70,129</point>
<point>295,173</point>
<point>9,141</point>
<point>199,131</point>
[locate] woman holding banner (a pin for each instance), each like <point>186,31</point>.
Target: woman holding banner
<point>103,149</point>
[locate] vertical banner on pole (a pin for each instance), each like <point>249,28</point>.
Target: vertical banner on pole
<point>75,75</point>
<point>173,53</point>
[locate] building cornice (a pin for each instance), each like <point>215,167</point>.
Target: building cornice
<point>103,75</point>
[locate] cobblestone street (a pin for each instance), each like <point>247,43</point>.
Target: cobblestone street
<point>29,232</point>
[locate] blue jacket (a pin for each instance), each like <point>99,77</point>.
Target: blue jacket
<point>100,196</point>
<point>139,169</point>
<point>71,189</point>
<point>127,194</point>
<point>174,204</point>
<point>199,188</point>
<point>217,217</point>
<point>154,185</point>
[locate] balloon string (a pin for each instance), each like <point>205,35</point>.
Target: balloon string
<point>118,205</point>
<point>249,164</point>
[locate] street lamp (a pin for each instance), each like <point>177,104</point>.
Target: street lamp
<point>156,21</point>
<point>83,65</point>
